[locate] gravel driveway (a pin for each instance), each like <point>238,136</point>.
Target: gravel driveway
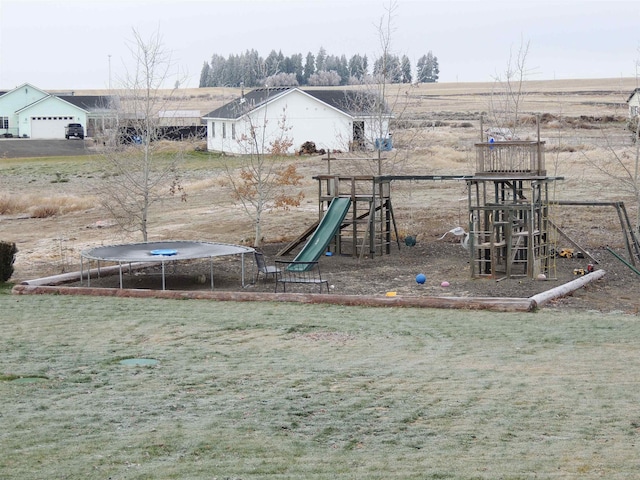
<point>25,148</point>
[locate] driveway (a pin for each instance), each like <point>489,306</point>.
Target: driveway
<point>26,147</point>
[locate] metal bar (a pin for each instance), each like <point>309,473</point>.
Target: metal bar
<point>630,232</point>
<point>626,237</point>
<point>623,261</point>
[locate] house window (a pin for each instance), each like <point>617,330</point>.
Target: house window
<point>233,131</point>
<point>213,129</point>
<point>224,130</point>
<point>4,122</point>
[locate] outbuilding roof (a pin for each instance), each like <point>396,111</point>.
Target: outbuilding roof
<point>637,90</point>
<point>351,102</point>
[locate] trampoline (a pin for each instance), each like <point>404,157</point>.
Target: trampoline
<point>160,252</point>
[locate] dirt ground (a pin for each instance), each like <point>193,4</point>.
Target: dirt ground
<point>440,261</point>
<point>52,244</point>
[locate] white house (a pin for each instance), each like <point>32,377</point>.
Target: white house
<point>634,103</point>
<point>335,120</point>
<point>27,111</point>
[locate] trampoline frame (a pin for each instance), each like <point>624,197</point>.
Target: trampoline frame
<point>141,253</point>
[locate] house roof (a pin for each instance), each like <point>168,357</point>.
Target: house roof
<point>89,102</point>
<point>85,102</point>
<point>350,102</point>
<point>44,99</point>
<point>24,85</point>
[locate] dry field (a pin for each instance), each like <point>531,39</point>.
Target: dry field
<point>53,214</point>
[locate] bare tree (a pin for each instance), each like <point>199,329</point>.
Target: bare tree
<point>378,105</point>
<point>261,182</point>
<point>508,95</point>
<point>621,163</point>
<point>138,173</point>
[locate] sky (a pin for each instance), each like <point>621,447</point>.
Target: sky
<point>79,45</point>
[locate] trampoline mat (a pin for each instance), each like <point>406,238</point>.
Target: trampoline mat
<point>163,251</point>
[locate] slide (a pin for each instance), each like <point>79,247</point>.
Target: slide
<point>326,230</point>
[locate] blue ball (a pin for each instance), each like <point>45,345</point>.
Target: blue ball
<point>421,278</point>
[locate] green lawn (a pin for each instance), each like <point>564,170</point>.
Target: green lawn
<point>284,391</point>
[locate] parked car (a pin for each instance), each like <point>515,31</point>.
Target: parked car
<point>74,130</point>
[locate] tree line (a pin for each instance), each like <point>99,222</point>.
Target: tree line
<point>249,69</point>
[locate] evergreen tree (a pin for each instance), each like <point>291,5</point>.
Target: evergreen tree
<point>405,69</point>
<point>309,67</point>
<point>436,69</point>
<point>272,64</point>
<point>217,70</point>
<point>204,75</point>
<point>343,69</point>
<point>357,68</point>
<point>250,69</point>
<point>321,60</point>
<point>297,68</point>
<point>388,67</point>
<point>421,70</point>
<point>232,72</point>
<point>251,66</point>
<point>427,69</point>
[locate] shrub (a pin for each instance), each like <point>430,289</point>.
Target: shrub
<point>7,205</point>
<point>7,257</point>
<point>45,211</point>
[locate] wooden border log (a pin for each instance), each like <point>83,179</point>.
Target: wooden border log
<point>564,290</point>
<point>498,304</point>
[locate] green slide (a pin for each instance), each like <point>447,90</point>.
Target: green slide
<point>326,230</point>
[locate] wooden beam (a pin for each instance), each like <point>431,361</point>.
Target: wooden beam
<point>571,241</point>
<point>563,290</point>
<point>497,304</point>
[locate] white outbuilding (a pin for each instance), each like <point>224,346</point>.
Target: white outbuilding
<point>333,119</point>
<point>634,103</point>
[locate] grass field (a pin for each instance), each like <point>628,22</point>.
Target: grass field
<point>284,391</point>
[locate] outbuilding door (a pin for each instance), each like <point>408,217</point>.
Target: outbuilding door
<point>49,127</point>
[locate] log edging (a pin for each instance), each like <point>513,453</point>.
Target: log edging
<point>497,304</point>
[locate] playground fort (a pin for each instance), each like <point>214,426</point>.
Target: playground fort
<point>508,231</point>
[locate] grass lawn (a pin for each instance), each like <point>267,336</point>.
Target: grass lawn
<point>284,391</point>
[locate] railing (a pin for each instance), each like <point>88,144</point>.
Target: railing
<point>510,157</point>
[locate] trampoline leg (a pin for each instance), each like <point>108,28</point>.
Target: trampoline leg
<point>211,270</point>
<point>242,268</point>
<point>163,276</point>
<point>120,271</point>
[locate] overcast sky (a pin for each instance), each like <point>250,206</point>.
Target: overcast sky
<point>75,44</point>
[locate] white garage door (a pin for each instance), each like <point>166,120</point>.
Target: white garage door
<point>49,127</point>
